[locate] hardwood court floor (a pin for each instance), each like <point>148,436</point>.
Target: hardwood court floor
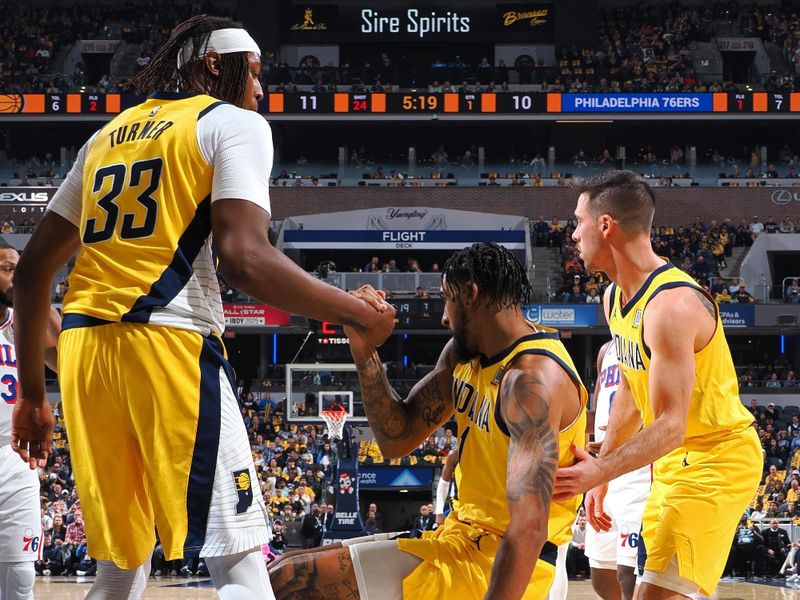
<point>177,588</point>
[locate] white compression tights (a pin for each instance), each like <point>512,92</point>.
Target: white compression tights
<point>237,577</point>
<point>16,580</point>
<point>240,576</point>
<point>113,583</point>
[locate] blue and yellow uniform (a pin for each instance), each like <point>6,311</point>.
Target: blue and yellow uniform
<point>458,556</point>
<point>701,488</point>
<point>147,390</point>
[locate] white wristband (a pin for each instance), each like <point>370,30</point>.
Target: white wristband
<point>442,490</point>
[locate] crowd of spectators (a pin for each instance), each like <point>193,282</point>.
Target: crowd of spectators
<point>779,430</point>
<point>32,36</point>
<point>767,551</point>
<point>35,171</point>
<point>701,249</point>
<point>412,265</point>
<point>777,24</point>
<point>23,223</point>
<point>640,48</point>
<point>766,371</point>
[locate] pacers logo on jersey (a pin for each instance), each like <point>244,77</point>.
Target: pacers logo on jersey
<point>244,489</point>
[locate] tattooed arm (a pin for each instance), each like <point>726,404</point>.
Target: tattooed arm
<point>533,422</point>
<point>400,425</point>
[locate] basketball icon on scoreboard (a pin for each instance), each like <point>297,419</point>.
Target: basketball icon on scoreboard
<point>11,103</point>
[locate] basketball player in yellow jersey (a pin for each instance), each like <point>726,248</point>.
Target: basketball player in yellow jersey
<point>679,382</point>
<point>148,395</point>
<point>519,405</point>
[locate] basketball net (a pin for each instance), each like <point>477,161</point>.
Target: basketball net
<point>334,419</point>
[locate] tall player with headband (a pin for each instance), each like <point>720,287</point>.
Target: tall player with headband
<point>148,394</point>
<point>613,553</point>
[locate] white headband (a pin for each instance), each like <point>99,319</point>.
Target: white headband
<point>223,41</point>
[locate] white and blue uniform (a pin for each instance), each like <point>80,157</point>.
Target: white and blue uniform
<point>626,496</point>
<point>20,525</point>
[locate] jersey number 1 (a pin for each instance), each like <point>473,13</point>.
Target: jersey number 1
<point>118,174</point>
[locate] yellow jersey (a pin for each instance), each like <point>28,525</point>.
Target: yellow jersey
<point>141,195</point>
<point>484,438</point>
<point>715,409</point>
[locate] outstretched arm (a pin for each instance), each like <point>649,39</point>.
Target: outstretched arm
<point>251,264</point>
<point>400,425</point>
<point>533,420</point>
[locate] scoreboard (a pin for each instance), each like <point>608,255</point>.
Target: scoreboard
<point>403,103</point>
<point>423,103</point>
<point>54,104</point>
<point>519,103</point>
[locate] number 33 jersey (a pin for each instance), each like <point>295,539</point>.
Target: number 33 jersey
<point>8,378</point>
<point>140,194</point>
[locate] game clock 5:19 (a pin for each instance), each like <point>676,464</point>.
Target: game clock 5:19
<point>419,102</point>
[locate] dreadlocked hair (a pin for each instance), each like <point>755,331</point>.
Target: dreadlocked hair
<point>499,275</point>
<point>163,74</point>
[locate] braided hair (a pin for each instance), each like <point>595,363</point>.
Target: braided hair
<point>163,73</point>
<point>499,275</point>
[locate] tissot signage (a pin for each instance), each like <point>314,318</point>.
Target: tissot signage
<point>420,21</point>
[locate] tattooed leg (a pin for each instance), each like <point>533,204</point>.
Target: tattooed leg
<point>292,553</point>
<point>326,575</point>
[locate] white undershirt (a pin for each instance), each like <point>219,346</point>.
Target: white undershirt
<point>237,143</point>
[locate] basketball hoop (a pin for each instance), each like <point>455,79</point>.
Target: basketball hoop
<point>335,419</point>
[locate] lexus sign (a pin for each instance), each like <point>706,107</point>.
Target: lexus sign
<point>783,197</point>
<point>22,200</point>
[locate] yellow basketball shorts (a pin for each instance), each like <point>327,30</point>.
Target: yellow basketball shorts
<point>457,563</point>
<point>699,494</point>
<point>157,440</point>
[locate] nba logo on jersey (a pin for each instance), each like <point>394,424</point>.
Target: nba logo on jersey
<point>637,318</point>
<point>154,112</point>
<point>244,490</point>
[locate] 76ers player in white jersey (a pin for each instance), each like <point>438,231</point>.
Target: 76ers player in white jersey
<point>613,554</point>
<point>20,523</point>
